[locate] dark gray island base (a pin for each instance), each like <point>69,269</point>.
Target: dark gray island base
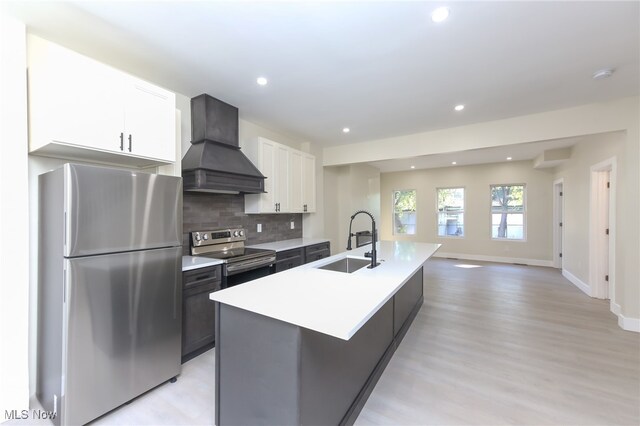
<point>270,372</point>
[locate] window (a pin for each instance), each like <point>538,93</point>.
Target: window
<point>404,212</point>
<point>450,212</point>
<point>507,212</point>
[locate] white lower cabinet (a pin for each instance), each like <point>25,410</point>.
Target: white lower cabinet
<point>288,189</point>
<point>80,108</point>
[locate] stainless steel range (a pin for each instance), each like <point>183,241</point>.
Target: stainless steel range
<point>240,264</point>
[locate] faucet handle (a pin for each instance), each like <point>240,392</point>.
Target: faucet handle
<point>368,254</point>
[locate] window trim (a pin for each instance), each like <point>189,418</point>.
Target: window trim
<point>524,214</point>
<point>464,202</point>
<point>393,213</point>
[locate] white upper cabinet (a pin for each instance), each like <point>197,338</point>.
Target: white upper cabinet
<point>272,159</point>
<point>308,183</point>
<point>149,120</point>
<point>80,108</point>
<point>296,184</point>
<point>285,183</point>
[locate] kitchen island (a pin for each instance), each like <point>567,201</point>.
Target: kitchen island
<point>306,346</point>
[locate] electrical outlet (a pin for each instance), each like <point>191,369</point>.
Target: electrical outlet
<point>293,225</point>
<point>259,227</point>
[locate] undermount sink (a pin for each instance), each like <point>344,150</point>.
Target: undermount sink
<point>346,264</point>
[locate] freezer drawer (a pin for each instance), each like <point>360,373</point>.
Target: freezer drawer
<point>123,322</point>
<point>110,210</point>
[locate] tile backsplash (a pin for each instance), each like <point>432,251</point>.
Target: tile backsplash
<point>203,211</point>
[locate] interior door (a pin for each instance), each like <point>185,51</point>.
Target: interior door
<point>123,328</point>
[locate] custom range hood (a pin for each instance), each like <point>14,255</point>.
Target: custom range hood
<point>214,162</point>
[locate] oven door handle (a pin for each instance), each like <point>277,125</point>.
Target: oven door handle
<point>235,268</point>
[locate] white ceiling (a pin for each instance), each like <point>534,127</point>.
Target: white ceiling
<point>381,68</point>
<point>517,152</point>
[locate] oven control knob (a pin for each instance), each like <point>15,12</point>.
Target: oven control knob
<point>205,237</point>
<point>242,233</point>
<point>197,237</point>
<point>235,233</point>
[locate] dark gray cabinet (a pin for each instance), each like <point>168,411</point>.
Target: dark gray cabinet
<point>316,252</point>
<point>198,311</point>
<point>289,259</point>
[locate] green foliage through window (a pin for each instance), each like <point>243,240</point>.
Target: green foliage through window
<point>404,212</point>
<point>507,211</point>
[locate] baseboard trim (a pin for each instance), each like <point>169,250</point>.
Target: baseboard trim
<point>629,324</point>
<point>577,282</point>
<point>483,258</point>
<point>615,308</point>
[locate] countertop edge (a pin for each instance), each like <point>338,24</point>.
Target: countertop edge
<point>291,244</point>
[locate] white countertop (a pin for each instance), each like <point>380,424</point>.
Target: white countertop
<point>195,262</point>
<point>290,244</point>
<point>333,303</point>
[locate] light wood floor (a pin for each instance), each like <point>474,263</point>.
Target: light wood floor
<point>500,344</point>
<point>506,344</point>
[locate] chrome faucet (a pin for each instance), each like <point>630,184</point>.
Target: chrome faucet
<point>372,254</point>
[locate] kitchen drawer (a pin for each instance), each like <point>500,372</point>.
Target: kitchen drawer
<point>283,255</point>
<point>195,277</point>
<point>289,259</point>
<point>316,252</point>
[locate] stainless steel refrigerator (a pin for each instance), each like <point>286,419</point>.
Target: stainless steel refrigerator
<point>109,288</point>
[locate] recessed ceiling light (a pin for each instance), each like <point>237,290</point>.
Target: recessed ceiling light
<point>459,107</point>
<point>509,158</point>
<point>603,73</point>
<point>413,167</point>
<point>440,14</point>
<point>262,81</point>
<point>454,163</point>
<point>346,130</point>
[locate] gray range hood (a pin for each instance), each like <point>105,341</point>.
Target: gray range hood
<point>214,162</point>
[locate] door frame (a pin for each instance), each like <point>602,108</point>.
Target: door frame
<point>596,243</point>
<point>558,232</point>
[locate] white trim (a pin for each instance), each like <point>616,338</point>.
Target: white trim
<point>577,282</point>
<point>482,258</point>
<point>615,308</point>
<point>558,240</point>
<point>629,324</point>
<point>595,264</point>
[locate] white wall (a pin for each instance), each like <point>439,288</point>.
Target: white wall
<point>348,189</point>
<point>477,241</point>
<point>14,205</point>
<point>576,174</point>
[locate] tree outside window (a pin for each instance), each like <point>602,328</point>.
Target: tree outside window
<point>404,212</point>
<point>450,212</point>
<point>508,212</point>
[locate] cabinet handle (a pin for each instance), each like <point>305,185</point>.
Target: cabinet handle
<point>275,207</point>
<point>305,207</point>
<point>129,143</point>
<point>121,141</point>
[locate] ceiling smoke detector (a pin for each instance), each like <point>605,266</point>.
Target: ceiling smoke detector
<point>602,74</point>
